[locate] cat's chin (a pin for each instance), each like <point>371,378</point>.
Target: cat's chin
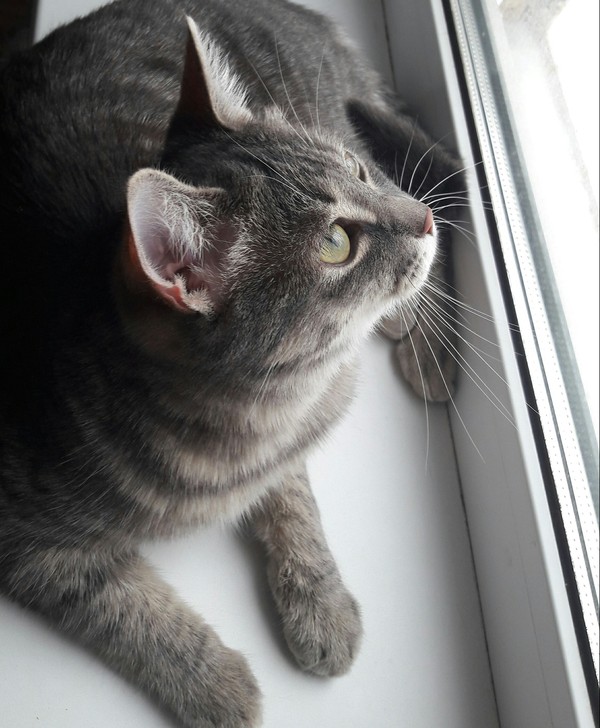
<point>409,283</point>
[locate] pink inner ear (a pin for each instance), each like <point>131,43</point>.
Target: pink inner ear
<point>170,269</point>
<point>209,273</point>
<point>181,281</point>
<point>181,253</point>
<point>158,252</point>
<point>192,281</point>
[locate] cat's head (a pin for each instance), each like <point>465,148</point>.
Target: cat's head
<point>268,242</point>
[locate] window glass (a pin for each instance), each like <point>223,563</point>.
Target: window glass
<point>551,73</point>
<point>531,72</point>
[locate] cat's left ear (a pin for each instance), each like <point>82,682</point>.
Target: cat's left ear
<point>211,94</point>
<point>179,241</point>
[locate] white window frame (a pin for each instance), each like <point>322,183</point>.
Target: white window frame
<point>534,654</point>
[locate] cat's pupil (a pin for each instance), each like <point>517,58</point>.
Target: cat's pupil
<point>336,247</point>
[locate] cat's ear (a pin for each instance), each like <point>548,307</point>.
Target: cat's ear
<point>211,94</point>
<point>177,242</point>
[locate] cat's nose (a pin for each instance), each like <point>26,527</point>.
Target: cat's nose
<point>415,217</point>
<point>428,223</point>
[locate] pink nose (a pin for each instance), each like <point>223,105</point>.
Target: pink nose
<point>428,224</point>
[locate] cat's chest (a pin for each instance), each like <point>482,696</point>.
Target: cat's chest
<point>217,475</point>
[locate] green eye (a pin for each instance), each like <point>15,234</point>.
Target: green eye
<point>352,164</point>
<point>336,246</point>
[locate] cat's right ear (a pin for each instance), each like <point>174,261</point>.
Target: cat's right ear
<point>211,94</point>
<point>177,243</point>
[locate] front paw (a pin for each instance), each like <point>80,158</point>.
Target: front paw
<point>222,694</point>
<point>427,362</point>
<point>321,619</point>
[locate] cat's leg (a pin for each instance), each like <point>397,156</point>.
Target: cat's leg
<point>321,619</point>
<point>425,328</point>
<point>118,607</point>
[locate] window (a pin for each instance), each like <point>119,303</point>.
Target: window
<point>531,73</point>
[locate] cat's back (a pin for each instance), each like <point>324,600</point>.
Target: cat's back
<point>91,103</point>
<point>80,111</point>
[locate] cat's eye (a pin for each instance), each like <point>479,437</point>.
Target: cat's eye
<point>353,165</point>
<point>336,246</point>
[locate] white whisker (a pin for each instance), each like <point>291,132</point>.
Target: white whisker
<point>467,368</point>
<point>462,304</point>
<point>279,175</point>
<point>317,91</point>
<point>287,121</point>
<point>468,234</point>
<point>447,387</point>
<point>422,384</point>
<point>446,178</point>
<point>304,129</point>
<point>425,153</point>
<point>412,136</point>
<point>452,316</point>
<point>416,192</point>
<point>281,182</point>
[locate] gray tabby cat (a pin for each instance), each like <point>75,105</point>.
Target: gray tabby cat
<point>193,253</point>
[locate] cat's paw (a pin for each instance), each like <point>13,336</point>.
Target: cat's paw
<point>321,620</point>
<point>223,694</point>
<point>427,366</point>
<point>427,363</point>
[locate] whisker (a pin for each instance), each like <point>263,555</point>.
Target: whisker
<point>262,161</point>
<point>422,384</point>
<point>457,303</point>
<point>462,304</point>
<point>502,409</point>
<point>317,92</point>
<point>452,316</point>
<point>445,197</point>
<point>447,388</point>
<point>464,193</point>
<point>468,234</point>
<point>441,199</point>
<point>412,136</point>
<point>283,116</point>
<point>416,192</point>
<point>444,224</point>
<point>425,153</point>
<point>281,182</point>
<point>464,364</point>
<point>476,350</point>
<point>396,181</point>
<point>304,129</point>
<point>437,210</point>
<point>447,177</point>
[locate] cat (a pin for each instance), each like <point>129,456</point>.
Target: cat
<point>202,220</point>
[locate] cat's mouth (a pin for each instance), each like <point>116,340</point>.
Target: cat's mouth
<point>413,273</point>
